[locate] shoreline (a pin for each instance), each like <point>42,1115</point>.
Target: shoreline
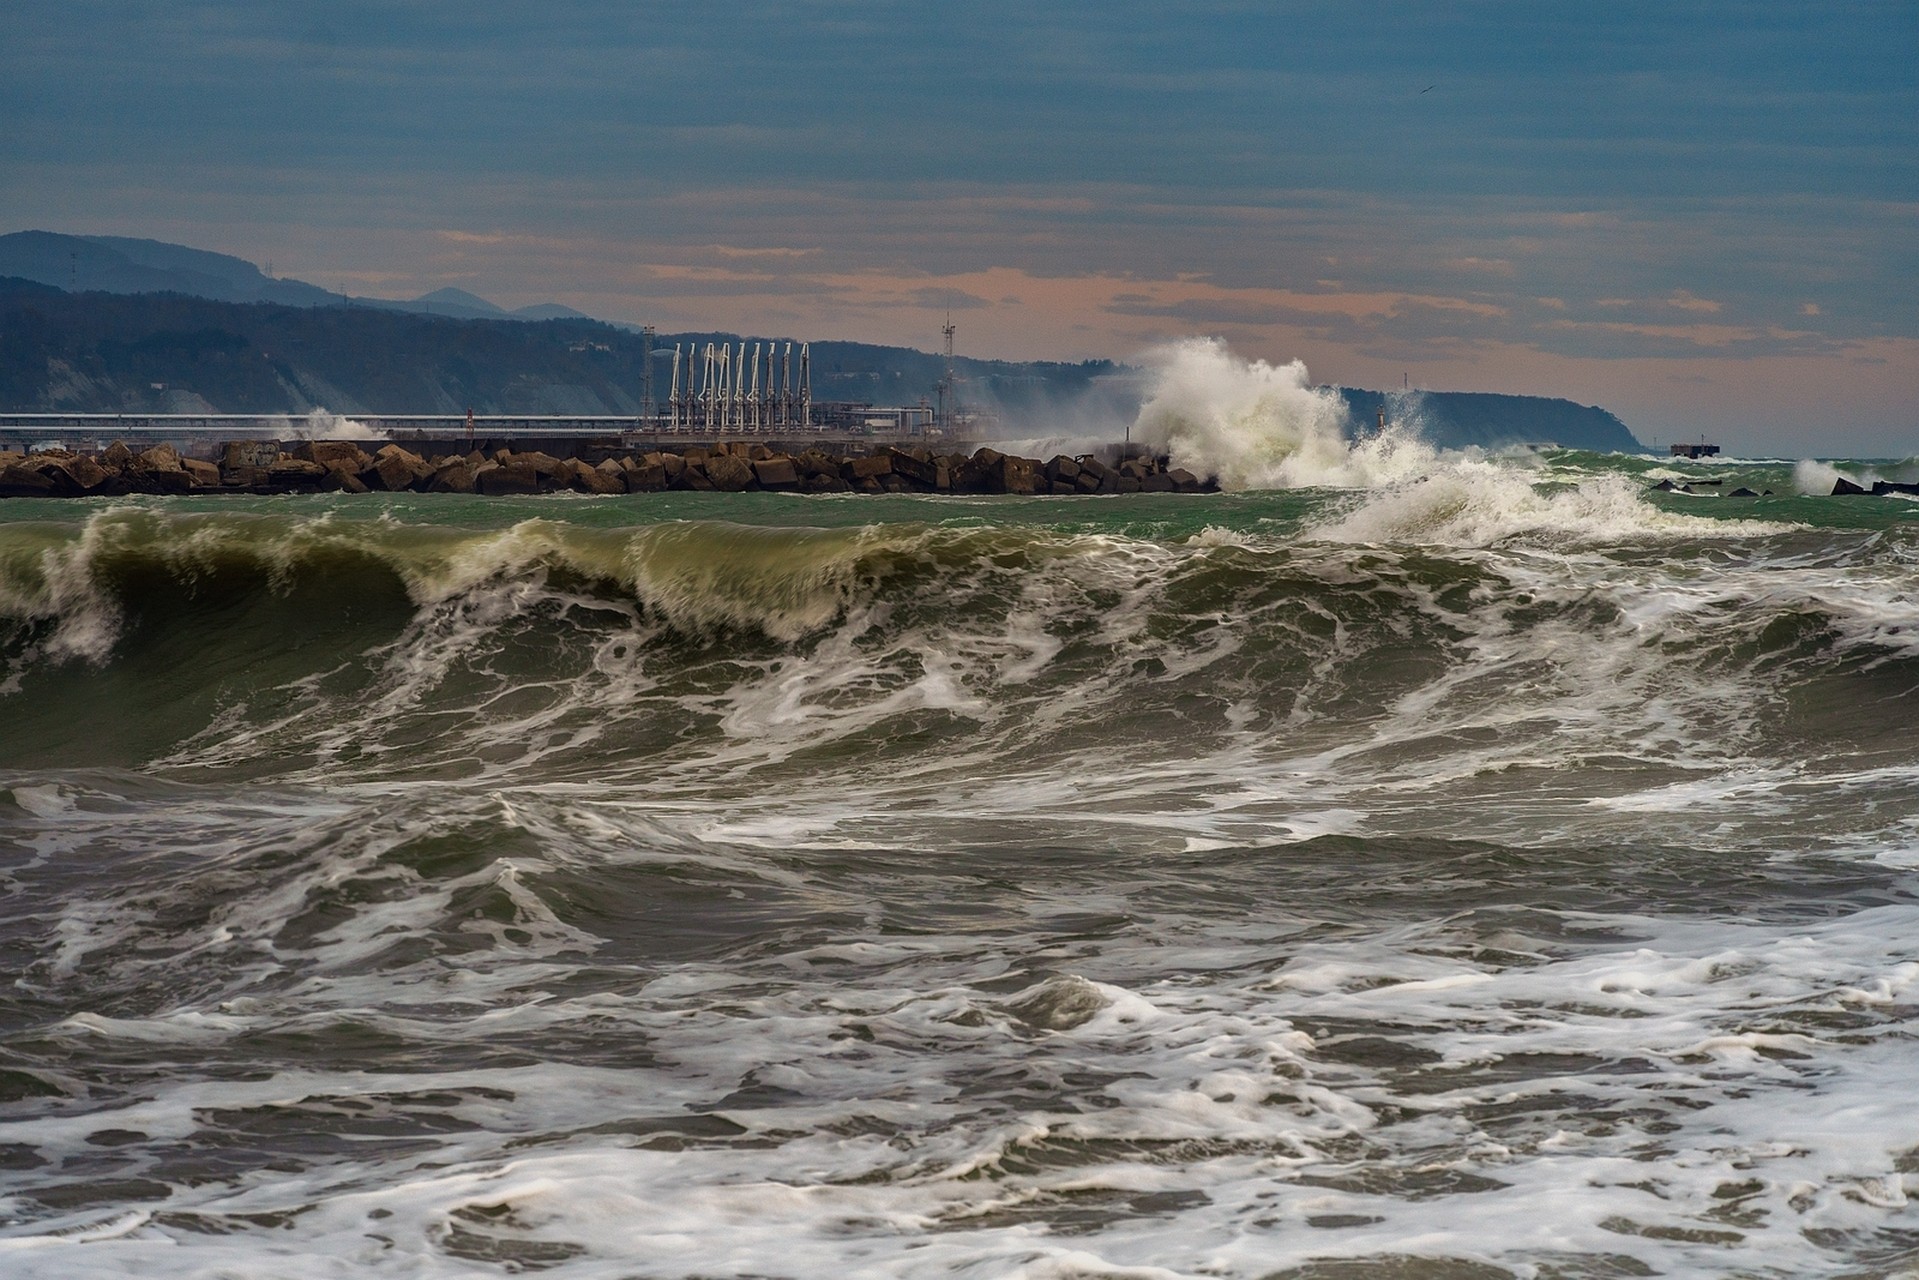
<point>342,466</point>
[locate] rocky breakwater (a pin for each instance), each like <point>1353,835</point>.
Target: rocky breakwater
<point>256,466</point>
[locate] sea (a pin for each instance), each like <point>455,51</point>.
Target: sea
<point>1406,863</point>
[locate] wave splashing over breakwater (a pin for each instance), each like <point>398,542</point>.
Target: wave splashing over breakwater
<point>1500,874</point>
<point>1262,426</point>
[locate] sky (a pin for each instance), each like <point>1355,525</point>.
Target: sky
<point>1702,216</point>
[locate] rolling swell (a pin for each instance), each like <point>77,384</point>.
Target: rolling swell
<point>972,886</point>
<point>283,644</point>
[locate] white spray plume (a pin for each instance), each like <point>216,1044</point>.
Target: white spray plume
<point>1260,426</point>
<point>321,425</point>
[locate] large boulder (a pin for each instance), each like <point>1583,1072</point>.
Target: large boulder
<point>395,469</point>
<point>1096,477</point>
<point>296,473</point>
<point>205,474</point>
<point>919,471</point>
<point>72,475</point>
<point>514,480</point>
<point>340,480</point>
<point>585,479</point>
<point>729,472</point>
<point>1019,475</point>
<point>693,476</point>
<point>984,472</point>
<point>331,453</point>
<point>457,476</point>
<point>21,481</point>
<point>648,477</point>
<point>871,467</point>
<point>545,466</point>
<point>161,457</point>
<point>776,473</point>
<point>816,462</point>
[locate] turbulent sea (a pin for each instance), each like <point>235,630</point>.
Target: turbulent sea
<point>1469,867</point>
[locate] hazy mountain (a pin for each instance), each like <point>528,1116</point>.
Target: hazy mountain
<point>120,264</point>
<point>156,352</point>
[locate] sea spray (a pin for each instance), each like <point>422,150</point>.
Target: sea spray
<point>1256,425</point>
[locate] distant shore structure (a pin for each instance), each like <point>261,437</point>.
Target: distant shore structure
<point>1699,450</point>
<point>721,388</point>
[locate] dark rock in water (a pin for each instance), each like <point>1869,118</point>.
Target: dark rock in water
<point>205,474</point>
<point>60,471</point>
<point>1664,486</point>
<point>396,470</point>
<point>981,473</point>
<point>327,453</point>
<point>1019,475</point>
<point>18,481</point>
<point>776,473</point>
<point>296,471</point>
<point>600,481</point>
<point>920,471</point>
<point>117,457</point>
<point>162,481</point>
<point>1742,492</point>
<point>1842,487</point>
<point>515,480</point>
<point>546,466</point>
<point>1881,488</point>
<point>648,477</point>
<point>262,454</point>
<point>1096,477</point>
<point>814,463</point>
<point>1183,480</point>
<point>729,472</point>
<point>340,479</point>
<point>161,457</point>
<point>868,468</point>
<point>457,476</point>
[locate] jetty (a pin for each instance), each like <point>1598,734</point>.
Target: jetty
<point>602,466</point>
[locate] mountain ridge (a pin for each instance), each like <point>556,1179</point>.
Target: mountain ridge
<point>168,352</point>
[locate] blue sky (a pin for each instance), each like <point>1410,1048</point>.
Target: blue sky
<point>1702,216</point>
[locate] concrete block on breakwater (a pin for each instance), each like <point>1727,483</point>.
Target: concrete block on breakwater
<point>344,466</point>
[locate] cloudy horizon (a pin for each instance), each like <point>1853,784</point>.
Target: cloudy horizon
<point>1700,219</point>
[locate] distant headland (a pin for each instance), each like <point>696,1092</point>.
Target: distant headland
<point>141,327</point>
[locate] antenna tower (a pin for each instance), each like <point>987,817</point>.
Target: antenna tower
<point>647,406</point>
<point>948,387</point>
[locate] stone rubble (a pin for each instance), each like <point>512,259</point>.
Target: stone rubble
<point>318,466</point>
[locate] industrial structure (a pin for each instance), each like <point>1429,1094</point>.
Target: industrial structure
<point>719,387</point>
<point>713,390</point>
